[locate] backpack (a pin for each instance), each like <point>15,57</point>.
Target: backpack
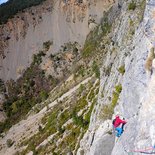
<point>113,122</point>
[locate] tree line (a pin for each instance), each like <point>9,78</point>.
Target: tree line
<point>12,7</point>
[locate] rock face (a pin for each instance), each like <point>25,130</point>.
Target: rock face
<point>56,21</point>
<point>136,101</point>
<point>127,87</point>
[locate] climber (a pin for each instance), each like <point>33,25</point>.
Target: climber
<point>118,125</point>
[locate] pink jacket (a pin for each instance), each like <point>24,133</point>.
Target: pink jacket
<point>118,121</point>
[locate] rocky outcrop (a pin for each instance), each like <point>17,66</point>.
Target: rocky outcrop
<point>58,21</point>
<point>136,99</point>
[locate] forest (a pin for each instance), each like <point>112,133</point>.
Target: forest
<point>12,7</point>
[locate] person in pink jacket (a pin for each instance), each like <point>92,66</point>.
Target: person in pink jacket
<point>118,125</point>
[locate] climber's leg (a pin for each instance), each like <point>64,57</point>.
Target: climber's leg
<point>119,132</point>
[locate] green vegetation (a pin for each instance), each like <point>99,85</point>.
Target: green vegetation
<point>91,94</point>
<point>132,6</point>
<point>108,110</point>
<point>118,88</point>
<point>121,69</point>
<point>2,86</point>
<point>58,123</point>
<point>9,143</point>
<point>81,89</point>
<point>43,95</point>
<point>47,44</point>
<point>142,9</point>
<point>81,103</point>
<point>88,114</point>
<point>27,91</point>
<point>81,70</point>
<point>37,58</point>
<point>12,7</point>
<point>106,26</point>
<point>96,69</point>
<point>94,38</point>
<point>90,45</point>
<point>79,121</point>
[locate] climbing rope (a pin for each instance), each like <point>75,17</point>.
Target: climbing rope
<point>144,151</point>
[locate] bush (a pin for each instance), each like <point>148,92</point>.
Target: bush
<point>79,121</point>
<point>43,95</point>
<point>9,143</point>
<point>88,115</point>
<point>81,88</point>
<point>61,130</point>
<point>122,69</point>
<point>96,69</point>
<point>81,71</point>
<point>90,44</point>
<point>88,49</point>
<point>118,88</point>
<point>132,6</point>
<point>106,27</point>
<point>37,58</point>
<point>47,44</point>
<point>2,86</point>
<point>40,128</point>
<point>14,107</point>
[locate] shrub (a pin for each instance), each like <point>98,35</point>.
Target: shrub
<point>96,69</point>
<point>53,80</point>
<point>47,44</point>
<point>81,72</point>
<point>61,130</point>
<point>14,107</point>
<point>90,44</point>
<point>81,103</point>
<point>81,88</point>
<point>106,26</point>
<point>122,69</point>
<point>132,6</point>
<point>79,121</point>
<point>88,49</point>
<point>9,143</point>
<point>142,6</point>
<point>40,128</point>
<point>2,86</point>
<point>43,95</point>
<point>37,59</point>
<point>88,115</point>
<point>91,95</point>
<point>118,88</point>
<point>114,99</point>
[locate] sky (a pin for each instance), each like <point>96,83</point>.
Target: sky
<point>3,1</point>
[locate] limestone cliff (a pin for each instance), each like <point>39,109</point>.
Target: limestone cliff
<point>135,101</point>
<point>56,21</point>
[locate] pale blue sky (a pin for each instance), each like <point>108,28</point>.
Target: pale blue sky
<point>2,1</point>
